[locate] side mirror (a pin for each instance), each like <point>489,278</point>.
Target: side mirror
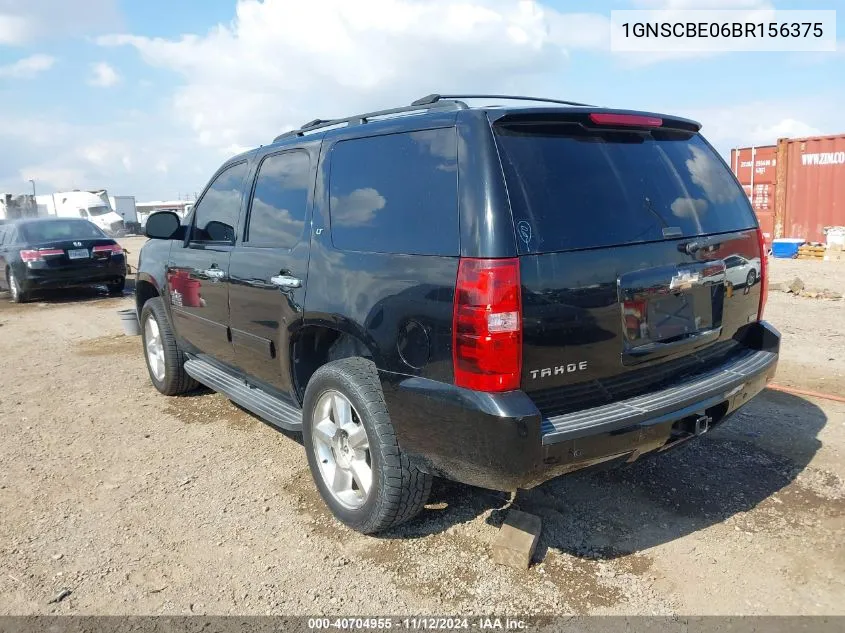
<point>162,225</point>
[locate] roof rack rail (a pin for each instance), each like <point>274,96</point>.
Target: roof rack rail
<point>435,98</point>
<point>360,119</point>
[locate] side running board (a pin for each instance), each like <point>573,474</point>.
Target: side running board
<point>256,400</point>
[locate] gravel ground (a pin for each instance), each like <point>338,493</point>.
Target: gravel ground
<point>813,347</point>
<point>821,275</point>
<point>141,504</point>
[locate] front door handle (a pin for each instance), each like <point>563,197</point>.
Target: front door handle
<point>286,282</point>
<point>215,273</point>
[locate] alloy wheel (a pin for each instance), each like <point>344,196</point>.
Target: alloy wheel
<point>155,348</point>
<point>342,449</point>
<point>14,290</point>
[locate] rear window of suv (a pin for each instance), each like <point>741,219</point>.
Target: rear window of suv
<point>396,193</point>
<point>573,188</point>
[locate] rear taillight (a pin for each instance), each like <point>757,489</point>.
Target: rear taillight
<point>114,249</point>
<point>35,256</point>
<point>764,274</point>
<point>632,120</point>
<point>487,325</point>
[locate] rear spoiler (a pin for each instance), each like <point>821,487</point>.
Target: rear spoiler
<point>595,118</point>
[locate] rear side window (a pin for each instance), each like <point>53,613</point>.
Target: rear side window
<point>280,200</point>
<point>396,193</point>
<point>53,230</point>
<point>573,188</point>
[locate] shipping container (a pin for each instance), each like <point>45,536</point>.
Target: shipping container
<point>815,186</point>
<point>797,187</point>
<point>756,170</point>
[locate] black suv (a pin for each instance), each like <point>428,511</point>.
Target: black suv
<point>496,295</point>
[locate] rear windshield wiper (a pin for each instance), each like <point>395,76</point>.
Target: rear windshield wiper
<point>692,247</point>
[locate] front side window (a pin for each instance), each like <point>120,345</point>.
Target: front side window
<point>396,193</point>
<point>280,200</point>
<point>216,214</point>
<point>98,210</point>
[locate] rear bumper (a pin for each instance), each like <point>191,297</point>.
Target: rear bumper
<point>501,441</point>
<point>49,278</point>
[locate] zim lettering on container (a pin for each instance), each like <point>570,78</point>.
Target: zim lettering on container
<point>824,158</point>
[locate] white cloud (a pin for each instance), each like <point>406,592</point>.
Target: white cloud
<point>103,75</point>
<point>357,208</point>
<point>124,155</point>
<point>742,124</point>
<point>56,178</point>
<point>249,80</point>
<point>102,153</point>
<point>27,67</point>
<point>787,128</point>
<point>22,21</point>
<point>14,29</point>
<point>680,5</point>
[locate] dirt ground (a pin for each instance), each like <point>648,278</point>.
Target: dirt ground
<point>141,504</point>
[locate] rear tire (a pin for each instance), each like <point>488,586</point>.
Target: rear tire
<point>165,361</point>
<point>397,489</point>
<point>16,293</point>
<point>117,288</point>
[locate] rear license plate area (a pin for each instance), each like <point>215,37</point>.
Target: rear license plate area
<point>670,316</point>
<point>668,303</point>
<point>78,253</point>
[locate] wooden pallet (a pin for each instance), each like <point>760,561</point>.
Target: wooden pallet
<point>809,251</point>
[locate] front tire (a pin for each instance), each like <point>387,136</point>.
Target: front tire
<point>165,361</point>
<point>751,279</point>
<point>355,460</point>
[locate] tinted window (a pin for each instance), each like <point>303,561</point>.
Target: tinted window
<point>54,230</point>
<point>573,188</point>
<point>280,200</point>
<point>396,193</point>
<point>217,212</point>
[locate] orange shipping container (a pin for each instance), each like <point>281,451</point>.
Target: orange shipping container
<point>815,186</point>
<point>796,187</point>
<point>756,170</point>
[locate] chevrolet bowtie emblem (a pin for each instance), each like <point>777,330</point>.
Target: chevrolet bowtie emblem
<point>684,280</point>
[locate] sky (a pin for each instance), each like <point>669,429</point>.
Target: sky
<point>148,98</point>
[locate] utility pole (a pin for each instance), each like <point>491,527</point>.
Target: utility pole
<point>33,187</point>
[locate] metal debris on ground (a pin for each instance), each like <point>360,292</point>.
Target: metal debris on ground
<point>64,593</point>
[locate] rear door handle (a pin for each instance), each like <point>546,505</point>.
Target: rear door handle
<point>286,281</point>
<point>215,273</point>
